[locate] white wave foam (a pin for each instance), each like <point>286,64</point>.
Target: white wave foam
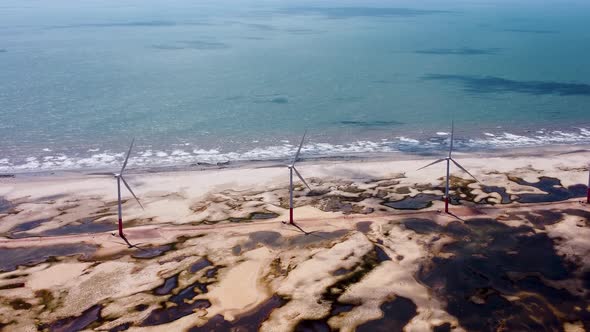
<point>151,157</point>
<point>408,140</point>
<point>180,153</point>
<point>205,152</point>
<point>546,137</point>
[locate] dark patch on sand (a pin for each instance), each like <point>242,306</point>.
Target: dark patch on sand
<point>317,192</point>
<point>312,326</point>
<point>344,204</point>
<point>13,257</point>
<point>275,240</point>
<point>52,198</point>
<point>5,205</point>
<point>339,308</point>
<point>13,285</point>
<point>445,327</point>
<point>141,307</point>
<point>46,298</point>
<point>396,315</point>
<point>500,190</point>
<point>418,202</point>
<point>255,216</point>
<point>422,226</point>
<point>341,271</point>
<point>168,286</point>
<point>199,265</point>
<point>212,273</point>
<point>552,186</point>
<point>4,324</point>
<point>151,252</point>
<point>19,304</point>
<point>122,327</point>
<point>26,226</point>
<point>263,215</point>
<point>539,218</point>
<point>183,305</point>
<point>78,323</point>
<point>364,226</point>
<point>315,238</point>
<point>87,225</point>
<point>267,238</point>
<point>381,255</point>
<point>492,261</point>
<point>249,321</point>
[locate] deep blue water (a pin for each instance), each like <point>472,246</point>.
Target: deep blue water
<point>226,80</point>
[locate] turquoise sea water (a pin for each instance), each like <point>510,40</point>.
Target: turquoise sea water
<point>226,80</point>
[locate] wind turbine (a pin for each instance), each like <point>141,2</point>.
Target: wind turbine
<point>291,170</point>
<point>449,159</point>
<point>119,177</point>
<point>588,192</point>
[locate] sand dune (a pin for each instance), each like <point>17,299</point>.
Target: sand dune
<point>378,255</point>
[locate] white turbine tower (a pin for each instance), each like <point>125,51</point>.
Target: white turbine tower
<point>120,178</point>
<point>291,170</point>
<point>588,190</point>
<point>449,159</point>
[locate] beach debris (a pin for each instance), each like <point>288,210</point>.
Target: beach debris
<point>449,159</point>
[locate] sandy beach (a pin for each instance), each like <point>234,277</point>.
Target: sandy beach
<point>372,250</point>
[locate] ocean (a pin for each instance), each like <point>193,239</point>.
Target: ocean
<point>216,81</point>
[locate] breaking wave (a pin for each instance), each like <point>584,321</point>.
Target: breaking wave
<point>97,159</point>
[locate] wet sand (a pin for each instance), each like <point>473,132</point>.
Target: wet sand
<point>372,251</point>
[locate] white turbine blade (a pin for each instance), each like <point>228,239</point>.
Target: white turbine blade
<point>432,163</point>
<point>464,170</point>
<point>131,191</point>
<point>127,157</point>
<point>301,178</point>
<point>299,150</point>
<point>452,137</point>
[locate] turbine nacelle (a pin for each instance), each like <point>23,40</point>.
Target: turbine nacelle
<point>119,177</point>
<point>449,160</point>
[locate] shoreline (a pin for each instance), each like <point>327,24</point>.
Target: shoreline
<point>186,152</point>
<point>551,150</point>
